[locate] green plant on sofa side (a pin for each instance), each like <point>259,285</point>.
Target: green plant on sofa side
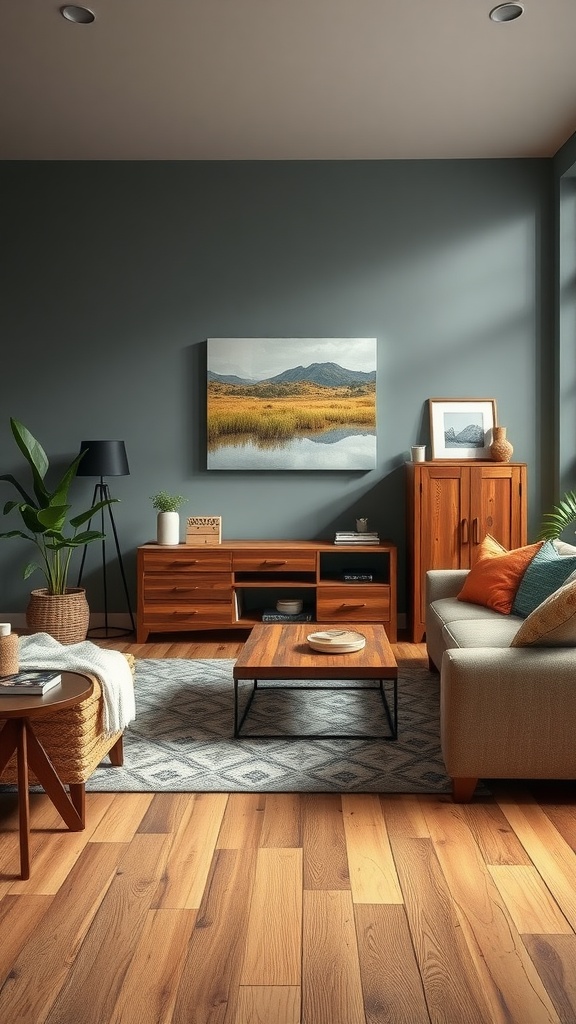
<point>560,518</point>
<point>44,515</point>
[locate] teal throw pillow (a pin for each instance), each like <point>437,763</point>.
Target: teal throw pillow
<point>547,571</point>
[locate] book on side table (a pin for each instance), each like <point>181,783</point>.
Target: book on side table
<point>34,682</point>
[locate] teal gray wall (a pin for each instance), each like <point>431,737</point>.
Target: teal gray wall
<point>114,275</point>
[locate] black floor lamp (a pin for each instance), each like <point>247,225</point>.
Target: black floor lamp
<point>106,458</point>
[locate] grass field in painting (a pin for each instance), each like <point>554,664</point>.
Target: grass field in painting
<point>269,413</point>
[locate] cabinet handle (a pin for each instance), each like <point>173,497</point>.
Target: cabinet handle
<point>464,531</point>
<point>476,523</point>
<point>183,590</point>
<point>268,561</point>
<point>344,605</point>
<point>179,563</point>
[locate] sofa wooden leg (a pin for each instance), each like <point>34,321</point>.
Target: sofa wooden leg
<point>78,798</point>
<point>463,790</point>
<point>116,753</point>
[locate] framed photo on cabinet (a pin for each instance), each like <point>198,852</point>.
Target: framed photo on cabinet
<point>462,428</point>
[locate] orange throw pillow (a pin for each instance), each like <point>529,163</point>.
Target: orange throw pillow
<point>494,579</point>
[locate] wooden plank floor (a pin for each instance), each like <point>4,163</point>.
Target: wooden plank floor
<point>240,908</point>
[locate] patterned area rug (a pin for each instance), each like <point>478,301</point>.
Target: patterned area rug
<point>182,739</point>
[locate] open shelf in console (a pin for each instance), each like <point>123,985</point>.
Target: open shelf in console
<point>354,567</point>
<point>251,601</point>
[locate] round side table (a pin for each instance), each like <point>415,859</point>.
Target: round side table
<point>18,736</point>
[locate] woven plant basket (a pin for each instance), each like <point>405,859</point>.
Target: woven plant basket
<point>63,616</point>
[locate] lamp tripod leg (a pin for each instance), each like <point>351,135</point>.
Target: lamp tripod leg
<point>122,573</point>
<point>102,493</point>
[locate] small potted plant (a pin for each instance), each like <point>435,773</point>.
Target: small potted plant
<point>168,520</point>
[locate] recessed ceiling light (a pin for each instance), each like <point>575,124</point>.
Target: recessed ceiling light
<point>80,15</point>
<point>506,12</point>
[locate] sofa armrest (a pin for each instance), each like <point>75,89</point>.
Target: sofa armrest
<point>509,712</point>
<point>444,583</point>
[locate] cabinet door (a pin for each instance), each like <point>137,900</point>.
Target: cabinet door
<point>444,518</point>
<point>442,528</point>
<point>497,505</point>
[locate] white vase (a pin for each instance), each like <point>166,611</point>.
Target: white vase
<point>168,528</point>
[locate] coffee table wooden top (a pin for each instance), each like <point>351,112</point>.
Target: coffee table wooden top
<point>281,651</point>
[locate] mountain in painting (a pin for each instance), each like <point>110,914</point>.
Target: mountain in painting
<point>325,375</point>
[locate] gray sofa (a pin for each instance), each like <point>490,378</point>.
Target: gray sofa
<point>506,712</point>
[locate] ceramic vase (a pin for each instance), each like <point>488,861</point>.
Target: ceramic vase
<point>500,449</point>
<point>168,528</point>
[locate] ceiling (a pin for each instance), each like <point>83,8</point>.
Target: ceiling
<point>285,80</point>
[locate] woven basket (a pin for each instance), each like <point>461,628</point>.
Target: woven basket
<point>63,616</point>
<point>72,738</point>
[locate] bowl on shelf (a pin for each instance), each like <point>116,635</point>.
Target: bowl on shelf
<point>289,605</point>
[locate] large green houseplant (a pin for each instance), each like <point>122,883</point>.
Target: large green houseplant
<point>45,518</point>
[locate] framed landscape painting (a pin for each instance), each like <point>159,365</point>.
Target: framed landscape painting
<point>462,428</point>
<point>291,403</point>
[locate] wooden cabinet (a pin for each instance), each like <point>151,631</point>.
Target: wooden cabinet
<point>228,586</point>
<point>451,507</point>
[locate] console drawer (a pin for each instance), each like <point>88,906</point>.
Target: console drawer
<point>353,604</point>
<point>164,616</point>
<point>274,561</point>
<point>196,587</point>
<point>175,560</point>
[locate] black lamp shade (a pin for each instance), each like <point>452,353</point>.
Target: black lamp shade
<point>103,458</point>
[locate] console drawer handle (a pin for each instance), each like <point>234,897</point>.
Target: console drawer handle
<point>269,561</point>
<point>353,605</point>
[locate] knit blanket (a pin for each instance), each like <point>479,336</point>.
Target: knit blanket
<point>40,650</point>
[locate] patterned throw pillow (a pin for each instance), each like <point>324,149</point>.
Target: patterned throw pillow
<point>493,580</point>
<point>552,623</point>
<point>547,571</point>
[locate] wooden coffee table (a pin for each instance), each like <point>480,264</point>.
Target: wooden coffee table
<point>279,651</point>
<point>18,736</point>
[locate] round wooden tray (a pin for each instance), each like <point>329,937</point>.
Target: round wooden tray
<point>336,641</point>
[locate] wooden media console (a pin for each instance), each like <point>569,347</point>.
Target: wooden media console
<point>230,585</point>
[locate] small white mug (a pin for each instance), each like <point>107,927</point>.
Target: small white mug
<point>418,452</point>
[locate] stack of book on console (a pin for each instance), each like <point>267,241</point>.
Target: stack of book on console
<point>357,576</point>
<point>353,537</point>
<point>273,615</point>
<point>34,683</point>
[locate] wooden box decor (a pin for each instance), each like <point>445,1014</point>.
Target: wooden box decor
<point>203,530</point>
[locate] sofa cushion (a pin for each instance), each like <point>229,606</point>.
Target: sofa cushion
<point>498,631</point>
<point>494,579</point>
<point>552,623</point>
<point>450,609</point>
<point>547,571</point>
